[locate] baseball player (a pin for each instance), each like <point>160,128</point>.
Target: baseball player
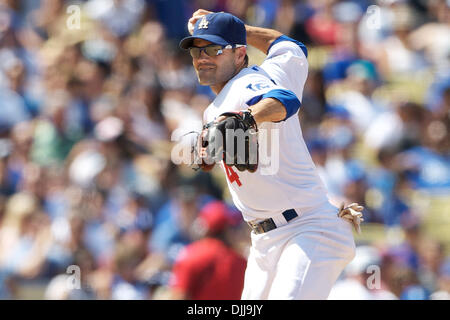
<point>299,243</point>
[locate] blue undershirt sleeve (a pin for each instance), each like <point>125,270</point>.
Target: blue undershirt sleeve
<point>286,97</point>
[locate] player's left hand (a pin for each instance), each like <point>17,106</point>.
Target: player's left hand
<point>353,214</point>
<point>239,131</point>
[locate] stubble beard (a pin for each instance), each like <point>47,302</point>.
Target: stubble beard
<point>206,78</point>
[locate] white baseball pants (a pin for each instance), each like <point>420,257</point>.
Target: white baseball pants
<point>301,259</point>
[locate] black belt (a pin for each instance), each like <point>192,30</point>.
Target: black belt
<point>269,224</point>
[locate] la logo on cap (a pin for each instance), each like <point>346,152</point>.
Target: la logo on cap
<point>203,23</point>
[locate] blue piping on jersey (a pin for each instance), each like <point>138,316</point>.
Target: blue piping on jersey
<point>257,69</point>
<point>286,38</point>
<point>286,97</point>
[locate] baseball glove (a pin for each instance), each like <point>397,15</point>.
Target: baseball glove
<point>233,138</point>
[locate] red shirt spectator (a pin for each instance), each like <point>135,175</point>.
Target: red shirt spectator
<point>209,270</point>
<point>323,28</point>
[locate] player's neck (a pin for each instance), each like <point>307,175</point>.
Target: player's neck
<point>217,88</point>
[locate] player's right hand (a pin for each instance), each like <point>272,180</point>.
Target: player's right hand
<point>195,16</point>
<point>353,214</point>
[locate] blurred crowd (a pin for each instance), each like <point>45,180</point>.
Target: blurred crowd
<point>93,92</point>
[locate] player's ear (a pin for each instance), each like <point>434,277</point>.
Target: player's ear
<point>240,55</point>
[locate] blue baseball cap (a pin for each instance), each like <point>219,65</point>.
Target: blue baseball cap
<point>219,28</point>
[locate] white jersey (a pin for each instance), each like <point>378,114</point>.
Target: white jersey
<point>290,179</point>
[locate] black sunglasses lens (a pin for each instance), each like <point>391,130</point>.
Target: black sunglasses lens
<point>211,51</point>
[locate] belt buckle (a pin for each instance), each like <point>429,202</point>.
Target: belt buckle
<point>256,227</point>
<point>269,224</point>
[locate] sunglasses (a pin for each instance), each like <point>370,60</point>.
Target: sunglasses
<point>211,50</point>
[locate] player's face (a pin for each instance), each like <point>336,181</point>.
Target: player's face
<point>215,70</point>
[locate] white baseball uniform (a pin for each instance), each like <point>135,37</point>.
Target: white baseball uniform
<point>302,258</point>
